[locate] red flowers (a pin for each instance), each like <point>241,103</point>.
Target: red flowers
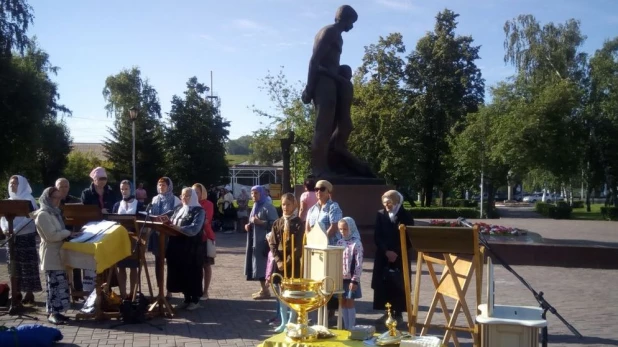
<point>487,229</point>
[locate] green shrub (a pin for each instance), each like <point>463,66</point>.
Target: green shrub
<point>456,203</point>
<point>609,213</point>
<point>578,204</point>
<point>444,212</point>
<point>560,211</point>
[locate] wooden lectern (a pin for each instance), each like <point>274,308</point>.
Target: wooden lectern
<point>141,240</point>
<point>10,209</point>
<point>165,309</point>
<point>76,216</point>
<point>458,250</point>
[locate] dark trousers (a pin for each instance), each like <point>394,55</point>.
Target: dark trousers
<point>77,280</point>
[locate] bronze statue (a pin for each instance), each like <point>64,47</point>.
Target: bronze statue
<point>330,89</point>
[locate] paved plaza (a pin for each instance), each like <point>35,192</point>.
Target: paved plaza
<point>586,298</point>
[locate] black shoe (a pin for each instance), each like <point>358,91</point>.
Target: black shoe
<point>55,319</point>
<point>63,317</point>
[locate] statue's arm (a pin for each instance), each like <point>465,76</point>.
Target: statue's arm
<point>323,43</point>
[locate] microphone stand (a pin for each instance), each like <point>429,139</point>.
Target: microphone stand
<point>539,296</point>
<point>15,233</point>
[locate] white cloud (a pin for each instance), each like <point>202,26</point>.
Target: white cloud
<point>247,24</point>
<point>206,37</point>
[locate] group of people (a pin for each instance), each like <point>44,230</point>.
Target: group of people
<point>265,244</point>
<point>189,258</point>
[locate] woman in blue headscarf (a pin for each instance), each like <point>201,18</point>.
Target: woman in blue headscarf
<point>164,203</point>
<point>263,214</point>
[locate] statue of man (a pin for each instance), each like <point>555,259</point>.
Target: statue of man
<point>323,86</point>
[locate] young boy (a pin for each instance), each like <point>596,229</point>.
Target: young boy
<point>290,222</point>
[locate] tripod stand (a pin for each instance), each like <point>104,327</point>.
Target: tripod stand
<point>10,209</point>
<point>130,312</point>
<point>539,296</point>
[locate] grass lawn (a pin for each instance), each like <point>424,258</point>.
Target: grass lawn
<point>594,214</point>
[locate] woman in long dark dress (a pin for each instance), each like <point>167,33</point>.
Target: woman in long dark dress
<point>185,254</point>
<point>388,266</point>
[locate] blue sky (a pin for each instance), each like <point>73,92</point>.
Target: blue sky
<point>241,40</point>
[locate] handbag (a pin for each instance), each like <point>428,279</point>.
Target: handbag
<point>211,249</point>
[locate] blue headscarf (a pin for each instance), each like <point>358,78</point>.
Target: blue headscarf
<point>257,205</point>
<point>354,234</point>
<point>167,200</point>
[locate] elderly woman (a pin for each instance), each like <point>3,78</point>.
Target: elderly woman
<point>185,254</point>
<point>26,260</point>
<point>326,213</point>
<point>262,216</point>
<point>164,203</point>
<point>388,267</point>
<point>51,229</point>
<point>99,193</point>
<point>128,205</point>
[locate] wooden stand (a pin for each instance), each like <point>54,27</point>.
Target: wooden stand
<point>164,308</point>
<point>10,209</point>
<point>141,240</point>
<point>76,216</point>
<point>459,252</point>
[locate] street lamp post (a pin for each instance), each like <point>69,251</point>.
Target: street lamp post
<point>133,116</point>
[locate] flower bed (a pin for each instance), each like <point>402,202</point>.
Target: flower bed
<point>486,229</point>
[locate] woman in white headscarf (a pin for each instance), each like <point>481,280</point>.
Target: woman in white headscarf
<point>26,261</point>
<point>388,267</point>
<point>185,254</point>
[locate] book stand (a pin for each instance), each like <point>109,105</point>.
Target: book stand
<point>164,308</point>
<point>139,242</point>
<point>458,250</point>
<point>76,216</point>
<point>10,209</point>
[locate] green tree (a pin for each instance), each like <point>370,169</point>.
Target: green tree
<point>287,113</point>
<point>79,163</point>
<point>15,17</point>
<point>443,84</point>
<point>239,146</point>
<point>34,142</point>
<point>123,91</point>
<point>196,138</point>
<point>545,115</point>
<point>602,118</point>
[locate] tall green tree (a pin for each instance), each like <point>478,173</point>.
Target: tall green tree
<point>123,91</point>
<point>195,138</point>
<point>443,84</point>
<point>239,146</point>
<point>382,129</point>
<point>602,117</point>
<point>546,94</point>
<point>287,113</point>
<point>35,143</point>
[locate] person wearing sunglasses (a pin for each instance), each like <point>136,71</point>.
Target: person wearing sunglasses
<point>326,213</point>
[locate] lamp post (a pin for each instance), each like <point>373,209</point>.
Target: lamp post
<point>133,116</point>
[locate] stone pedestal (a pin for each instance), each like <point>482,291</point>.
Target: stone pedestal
<point>361,202</point>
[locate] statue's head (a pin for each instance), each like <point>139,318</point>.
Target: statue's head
<point>345,71</point>
<point>346,16</point>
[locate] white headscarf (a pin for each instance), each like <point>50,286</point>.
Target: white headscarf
<point>24,191</point>
<point>390,195</point>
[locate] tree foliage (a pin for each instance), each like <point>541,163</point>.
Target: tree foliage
<point>239,146</point>
<point>195,138</point>
<point>288,113</point>
<point>15,17</point>
<point>123,91</point>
